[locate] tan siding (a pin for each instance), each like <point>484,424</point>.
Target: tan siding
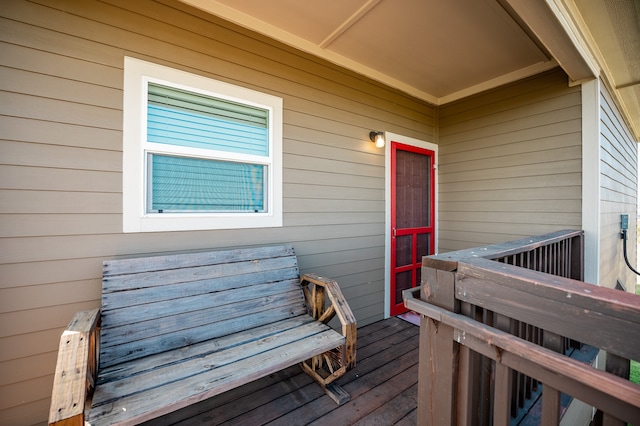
<point>40,225</point>
<point>61,204</point>
<point>618,195</point>
<point>40,366</point>
<point>39,108</point>
<point>36,84</point>
<point>26,274</point>
<point>26,345</point>
<point>524,194</point>
<point>44,133</point>
<point>59,157</point>
<point>52,202</point>
<point>504,99</point>
<point>510,163</point>
<point>532,171</point>
<point>33,408</point>
<point>41,50</point>
<point>47,295</point>
<point>51,179</point>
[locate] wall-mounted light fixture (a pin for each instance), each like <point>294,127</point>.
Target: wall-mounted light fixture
<point>377,138</point>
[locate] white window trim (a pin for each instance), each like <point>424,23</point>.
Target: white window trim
<point>137,74</point>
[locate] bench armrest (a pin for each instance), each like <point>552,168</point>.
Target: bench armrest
<point>76,369</point>
<point>316,302</point>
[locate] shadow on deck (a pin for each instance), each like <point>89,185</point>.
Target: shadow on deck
<point>383,389</point>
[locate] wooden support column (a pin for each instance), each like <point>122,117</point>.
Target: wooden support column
<point>437,386</point>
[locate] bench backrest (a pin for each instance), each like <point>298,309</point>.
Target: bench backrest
<point>153,304</point>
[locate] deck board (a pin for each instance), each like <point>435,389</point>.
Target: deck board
<point>382,388</point>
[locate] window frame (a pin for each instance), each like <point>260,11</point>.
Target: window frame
<point>137,75</point>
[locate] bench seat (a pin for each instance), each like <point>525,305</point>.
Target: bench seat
<point>178,329</point>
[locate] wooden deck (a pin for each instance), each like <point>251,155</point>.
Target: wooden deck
<point>383,389</point>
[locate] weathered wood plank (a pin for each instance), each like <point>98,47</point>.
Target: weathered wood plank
<point>187,260</point>
<point>182,322</point>
<point>136,296</point>
<point>201,349</point>
<point>193,273</point>
<point>159,343</point>
<point>153,374</point>
<point>258,293</point>
<point>172,396</point>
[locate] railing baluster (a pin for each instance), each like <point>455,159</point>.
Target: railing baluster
<point>486,397</point>
<point>467,403</point>
<point>501,405</point>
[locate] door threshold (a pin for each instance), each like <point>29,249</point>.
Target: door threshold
<point>411,317</point>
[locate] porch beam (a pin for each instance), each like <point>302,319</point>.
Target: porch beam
<point>551,24</point>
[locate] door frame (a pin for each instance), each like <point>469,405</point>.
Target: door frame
<point>392,137</point>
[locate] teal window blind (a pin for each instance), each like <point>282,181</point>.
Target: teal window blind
<point>187,183</point>
<point>182,118</point>
<point>183,184</point>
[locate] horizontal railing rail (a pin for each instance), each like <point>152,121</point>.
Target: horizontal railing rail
<point>495,323</point>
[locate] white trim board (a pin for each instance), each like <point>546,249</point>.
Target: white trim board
<point>591,179</point>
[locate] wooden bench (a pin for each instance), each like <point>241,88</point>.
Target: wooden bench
<point>177,329</point>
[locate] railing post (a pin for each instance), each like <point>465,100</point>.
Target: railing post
<point>437,372</point>
<point>577,257</point>
<point>620,367</point>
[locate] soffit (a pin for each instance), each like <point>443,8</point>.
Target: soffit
<point>613,29</point>
<point>441,50</point>
<point>433,49</point>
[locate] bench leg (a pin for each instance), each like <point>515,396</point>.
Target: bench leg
<point>335,392</point>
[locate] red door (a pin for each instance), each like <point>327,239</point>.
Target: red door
<point>412,217</point>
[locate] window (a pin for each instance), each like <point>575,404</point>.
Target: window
<point>198,153</point>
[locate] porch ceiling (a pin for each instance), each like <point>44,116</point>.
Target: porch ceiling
<point>441,51</point>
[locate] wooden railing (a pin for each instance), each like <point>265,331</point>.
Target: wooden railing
<point>496,322</point>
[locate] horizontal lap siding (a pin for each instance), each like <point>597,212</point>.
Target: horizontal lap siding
<point>61,169</point>
<point>618,190</point>
<point>510,163</point>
